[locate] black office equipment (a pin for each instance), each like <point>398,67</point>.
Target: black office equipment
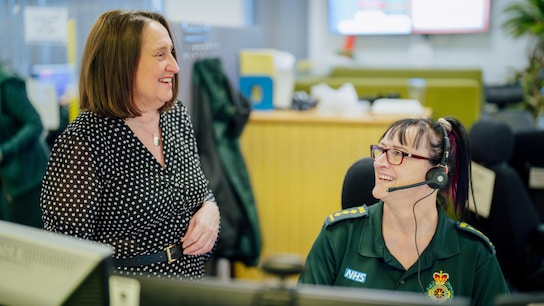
<point>275,292</point>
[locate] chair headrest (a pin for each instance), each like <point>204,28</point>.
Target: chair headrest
<point>491,142</point>
<point>358,184</point>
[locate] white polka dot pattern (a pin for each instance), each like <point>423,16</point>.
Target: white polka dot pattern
<point>103,184</point>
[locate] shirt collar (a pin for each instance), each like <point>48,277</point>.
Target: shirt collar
<point>445,242</point>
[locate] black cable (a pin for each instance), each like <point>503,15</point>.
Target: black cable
<point>415,239</point>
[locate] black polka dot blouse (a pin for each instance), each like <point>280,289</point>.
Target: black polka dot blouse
<point>103,184</point>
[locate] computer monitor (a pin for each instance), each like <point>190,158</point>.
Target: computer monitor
<point>38,267</point>
<point>402,17</point>
<point>47,84</point>
<point>60,75</point>
<point>211,291</point>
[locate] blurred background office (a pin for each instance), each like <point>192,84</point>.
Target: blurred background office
<point>43,40</point>
<point>299,27</point>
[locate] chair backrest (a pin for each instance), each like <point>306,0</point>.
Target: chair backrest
<point>358,184</point>
<point>528,160</point>
<point>513,218</point>
<point>518,120</point>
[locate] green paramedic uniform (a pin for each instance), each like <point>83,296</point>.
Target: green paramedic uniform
<point>459,261</point>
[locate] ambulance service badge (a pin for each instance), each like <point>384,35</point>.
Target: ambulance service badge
<point>440,290</point>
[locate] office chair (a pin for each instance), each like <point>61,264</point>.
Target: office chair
<point>513,224</point>
<point>358,184</point>
<point>527,159</point>
<point>503,96</point>
<point>519,120</point>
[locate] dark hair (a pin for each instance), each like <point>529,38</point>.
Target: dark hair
<point>458,162</point>
<point>110,60</point>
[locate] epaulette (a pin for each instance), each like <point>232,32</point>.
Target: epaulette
<point>471,229</point>
<point>344,214</point>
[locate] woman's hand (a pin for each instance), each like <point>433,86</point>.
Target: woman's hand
<point>203,230</point>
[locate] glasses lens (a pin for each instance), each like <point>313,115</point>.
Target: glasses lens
<point>394,156</point>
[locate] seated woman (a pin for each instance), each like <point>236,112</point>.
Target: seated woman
<point>407,241</point>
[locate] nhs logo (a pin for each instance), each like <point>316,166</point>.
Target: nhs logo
<point>355,276</point>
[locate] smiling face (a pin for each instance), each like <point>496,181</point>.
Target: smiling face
<point>156,68</point>
<point>410,171</point>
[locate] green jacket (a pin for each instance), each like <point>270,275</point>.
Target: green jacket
<point>459,261</point>
<point>24,152</point>
<point>220,113</point>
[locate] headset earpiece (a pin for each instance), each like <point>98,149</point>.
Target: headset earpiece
<point>436,177</point>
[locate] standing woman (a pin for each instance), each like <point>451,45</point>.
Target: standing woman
<point>126,171</point>
<point>406,241</point>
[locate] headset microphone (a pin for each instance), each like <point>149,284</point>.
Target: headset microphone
<point>436,179</point>
<point>390,189</point>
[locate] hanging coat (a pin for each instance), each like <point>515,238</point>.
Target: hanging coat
<point>24,153</point>
<point>219,115</point>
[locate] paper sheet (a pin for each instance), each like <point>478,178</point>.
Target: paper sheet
<point>483,182</point>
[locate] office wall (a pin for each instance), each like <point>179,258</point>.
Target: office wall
<point>285,24</point>
<point>300,27</point>
<point>22,55</point>
<point>493,52</point>
<point>212,12</point>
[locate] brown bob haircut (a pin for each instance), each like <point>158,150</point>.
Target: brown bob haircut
<point>110,60</point>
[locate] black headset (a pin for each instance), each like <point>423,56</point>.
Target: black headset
<point>437,176</point>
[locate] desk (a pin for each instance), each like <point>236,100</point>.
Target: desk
<point>297,162</point>
<point>457,97</point>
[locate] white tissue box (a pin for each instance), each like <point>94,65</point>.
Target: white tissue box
<point>388,106</point>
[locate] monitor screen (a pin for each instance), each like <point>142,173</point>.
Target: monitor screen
<point>44,268</point>
<point>390,17</point>
<point>155,291</point>
<point>61,75</point>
